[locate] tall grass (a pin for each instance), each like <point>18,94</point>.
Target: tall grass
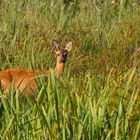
<point>98,95</point>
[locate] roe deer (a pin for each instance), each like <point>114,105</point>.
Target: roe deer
<point>25,79</point>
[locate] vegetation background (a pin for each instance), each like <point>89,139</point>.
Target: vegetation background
<point>98,96</point>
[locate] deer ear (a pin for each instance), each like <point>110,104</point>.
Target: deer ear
<point>55,45</point>
<point>69,46</point>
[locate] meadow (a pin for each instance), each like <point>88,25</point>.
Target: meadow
<point>98,96</point>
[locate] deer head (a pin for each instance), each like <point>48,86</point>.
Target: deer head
<point>61,55</point>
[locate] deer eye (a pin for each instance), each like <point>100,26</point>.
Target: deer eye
<point>65,54</point>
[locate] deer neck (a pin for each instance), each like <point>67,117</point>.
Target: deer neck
<point>59,69</point>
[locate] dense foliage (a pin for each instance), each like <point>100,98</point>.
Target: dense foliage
<point>98,97</point>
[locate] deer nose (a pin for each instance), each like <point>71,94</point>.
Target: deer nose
<point>63,60</point>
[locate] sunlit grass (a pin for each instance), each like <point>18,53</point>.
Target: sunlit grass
<point>98,95</point>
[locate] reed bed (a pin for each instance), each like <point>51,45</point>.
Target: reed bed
<point>98,97</point>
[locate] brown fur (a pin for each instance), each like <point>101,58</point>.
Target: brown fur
<point>23,79</point>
